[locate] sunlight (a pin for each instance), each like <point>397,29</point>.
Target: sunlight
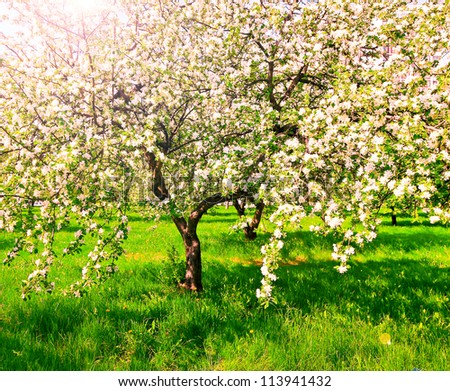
<point>86,5</point>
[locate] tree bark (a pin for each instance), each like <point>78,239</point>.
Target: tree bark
<point>239,205</point>
<point>193,277</point>
<point>188,230</point>
<point>250,228</point>
<point>254,224</point>
<point>394,219</point>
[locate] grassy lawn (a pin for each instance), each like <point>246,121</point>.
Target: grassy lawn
<point>138,320</point>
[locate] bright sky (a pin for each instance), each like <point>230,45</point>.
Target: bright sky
<point>5,27</point>
<point>71,5</point>
<point>86,5</point>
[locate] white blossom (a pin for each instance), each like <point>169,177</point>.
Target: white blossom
<point>434,219</point>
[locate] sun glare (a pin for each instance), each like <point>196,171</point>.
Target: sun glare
<point>86,5</point>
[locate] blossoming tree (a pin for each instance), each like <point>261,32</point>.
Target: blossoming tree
<point>288,104</point>
<point>95,101</point>
<point>379,133</point>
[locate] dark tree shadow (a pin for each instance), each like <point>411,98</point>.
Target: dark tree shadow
<point>401,289</point>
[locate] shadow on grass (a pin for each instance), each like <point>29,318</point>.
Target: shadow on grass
<point>6,243</point>
<point>373,290</point>
<point>215,220</point>
<point>407,222</point>
<point>405,242</point>
<point>399,289</point>
<point>135,315</point>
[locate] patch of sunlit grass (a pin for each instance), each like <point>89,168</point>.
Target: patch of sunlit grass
<point>396,291</point>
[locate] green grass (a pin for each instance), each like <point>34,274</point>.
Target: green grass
<point>324,321</point>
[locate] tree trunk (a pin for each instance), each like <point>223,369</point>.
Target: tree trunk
<point>239,205</point>
<point>186,228</point>
<point>250,228</point>
<point>193,277</point>
<point>188,231</point>
<point>393,217</point>
<point>249,232</point>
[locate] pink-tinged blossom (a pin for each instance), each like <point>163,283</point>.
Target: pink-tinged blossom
<point>434,219</point>
<point>342,269</point>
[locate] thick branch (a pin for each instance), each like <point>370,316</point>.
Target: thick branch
<point>159,185</point>
<point>239,206</point>
<point>208,203</point>
<point>295,81</point>
<point>276,106</point>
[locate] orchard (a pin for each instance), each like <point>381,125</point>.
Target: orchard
<point>333,109</point>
